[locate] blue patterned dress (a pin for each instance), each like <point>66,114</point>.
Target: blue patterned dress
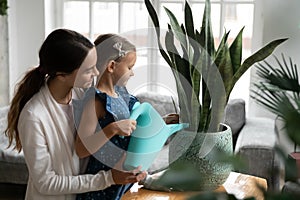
<point>107,156</point>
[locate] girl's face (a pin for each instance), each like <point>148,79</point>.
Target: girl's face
<point>123,69</point>
<point>84,76</point>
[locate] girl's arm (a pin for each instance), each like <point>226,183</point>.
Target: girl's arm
<point>87,141</point>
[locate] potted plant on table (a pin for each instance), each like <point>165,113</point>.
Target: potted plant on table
<point>205,77</point>
<point>279,92</point>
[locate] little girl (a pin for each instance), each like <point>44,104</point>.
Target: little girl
<point>105,114</point>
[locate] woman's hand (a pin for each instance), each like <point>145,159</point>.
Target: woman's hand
<point>121,176</point>
<point>125,127</point>
<point>125,177</point>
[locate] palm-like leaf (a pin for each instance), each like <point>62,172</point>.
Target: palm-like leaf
<point>285,77</point>
<point>279,92</point>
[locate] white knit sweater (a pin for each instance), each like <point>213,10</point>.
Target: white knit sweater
<point>53,165</point>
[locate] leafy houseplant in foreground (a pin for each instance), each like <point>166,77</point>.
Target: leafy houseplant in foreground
<point>279,92</point>
<point>205,77</point>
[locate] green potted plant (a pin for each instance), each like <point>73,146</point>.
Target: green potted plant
<point>3,7</point>
<point>205,77</point>
<point>279,92</point>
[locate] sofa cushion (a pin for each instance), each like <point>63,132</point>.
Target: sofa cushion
<point>12,163</point>
<point>235,117</point>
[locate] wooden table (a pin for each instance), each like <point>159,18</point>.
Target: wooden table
<point>240,185</point>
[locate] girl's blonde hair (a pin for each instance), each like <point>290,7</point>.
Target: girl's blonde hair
<point>111,47</point>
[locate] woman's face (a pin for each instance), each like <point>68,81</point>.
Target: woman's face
<point>84,76</point>
<point>123,69</point>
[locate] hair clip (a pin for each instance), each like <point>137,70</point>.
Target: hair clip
<point>118,47</point>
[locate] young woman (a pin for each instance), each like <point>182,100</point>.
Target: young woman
<point>40,120</point>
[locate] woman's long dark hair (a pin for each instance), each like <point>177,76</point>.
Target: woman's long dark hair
<point>62,51</point>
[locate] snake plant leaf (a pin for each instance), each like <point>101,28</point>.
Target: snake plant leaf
<point>256,57</point>
<point>236,51</point>
<point>189,21</point>
<point>225,68</point>
<point>206,35</point>
<point>152,13</point>
<point>170,46</point>
<point>198,38</point>
<point>221,49</point>
<point>193,49</point>
<point>196,77</point>
<point>181,71</point>
<point>155,21</point>
<point>177,29</point>
<point>222,42</point>
<point>179,64</point>
<point>184,98</point>
<point>223,61</point>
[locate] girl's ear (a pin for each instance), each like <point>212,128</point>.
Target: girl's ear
<point>111,66</point>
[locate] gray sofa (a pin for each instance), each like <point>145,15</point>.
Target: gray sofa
<point>13,170</point>
<point>254,137</point>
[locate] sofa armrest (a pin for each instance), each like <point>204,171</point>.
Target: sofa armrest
<point>256,145</point>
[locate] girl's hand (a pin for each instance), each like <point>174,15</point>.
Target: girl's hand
<point>171,118</point>
<point>125,127</point>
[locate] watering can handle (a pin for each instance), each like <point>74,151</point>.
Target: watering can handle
<point>135,106</point>
<point>135,113</point>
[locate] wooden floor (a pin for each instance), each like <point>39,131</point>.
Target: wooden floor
<point>12,191</point>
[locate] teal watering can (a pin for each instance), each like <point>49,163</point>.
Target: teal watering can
<point>148,138</point>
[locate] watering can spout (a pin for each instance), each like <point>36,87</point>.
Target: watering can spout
<point>176,127</point>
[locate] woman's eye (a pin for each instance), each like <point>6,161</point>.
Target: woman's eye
<point>88,71</point>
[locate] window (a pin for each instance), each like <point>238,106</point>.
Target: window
<point>130,19</point>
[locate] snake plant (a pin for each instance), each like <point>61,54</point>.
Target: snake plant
<point>205,75</point>
<point>279,92</point>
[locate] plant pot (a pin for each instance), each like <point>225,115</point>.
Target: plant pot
<point>203,151</point>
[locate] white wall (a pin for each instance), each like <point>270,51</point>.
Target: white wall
<point>3,60</point>
<point>26,26</point>
<point>276,19</point>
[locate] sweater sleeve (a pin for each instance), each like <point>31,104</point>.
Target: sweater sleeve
<point>50,168</point>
